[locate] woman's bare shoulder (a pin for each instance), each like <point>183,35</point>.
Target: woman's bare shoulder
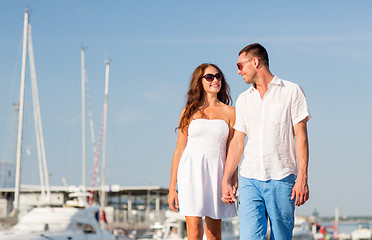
<point>230,110</point>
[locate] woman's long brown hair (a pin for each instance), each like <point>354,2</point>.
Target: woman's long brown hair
<point>195,95</point>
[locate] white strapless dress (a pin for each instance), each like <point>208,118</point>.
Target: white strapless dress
<point>201,168</point>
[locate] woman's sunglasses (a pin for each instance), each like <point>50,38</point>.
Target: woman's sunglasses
<point>210,77</point>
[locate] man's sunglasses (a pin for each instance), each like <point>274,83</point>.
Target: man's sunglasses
<point>240,65</point>
<point>210,77</point>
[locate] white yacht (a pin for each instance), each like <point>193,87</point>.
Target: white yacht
<point>363,232</point>
<point>57,224</point>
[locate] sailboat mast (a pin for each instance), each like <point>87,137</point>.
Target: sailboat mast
<point>44,175</point>
<point>35,103</point>
<point>84,150</point>
<point>103,194</point>
<point>20,116</point>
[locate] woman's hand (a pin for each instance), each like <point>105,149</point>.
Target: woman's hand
<point>228,193</point>
<point>173,200</point>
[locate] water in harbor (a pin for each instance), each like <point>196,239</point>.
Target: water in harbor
<point>346,227</point>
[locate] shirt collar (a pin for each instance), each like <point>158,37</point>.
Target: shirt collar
<point>276,81</point>
<point>251,89</point>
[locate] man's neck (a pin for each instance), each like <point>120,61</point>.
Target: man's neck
<point>262,82</point>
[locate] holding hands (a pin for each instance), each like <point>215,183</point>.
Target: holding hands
<point>228,193</point>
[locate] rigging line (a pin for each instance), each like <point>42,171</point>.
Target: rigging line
<point>70,125</point>
<point>96,158</point>
<point>11,124</point>
<point>16,69</point>
<point>90,114</point>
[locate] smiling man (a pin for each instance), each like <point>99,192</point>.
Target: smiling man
<point>273,114</point>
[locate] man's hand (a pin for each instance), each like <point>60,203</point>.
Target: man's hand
<point>228,193</point>
<point>173,200</point>
<point>300,192</point>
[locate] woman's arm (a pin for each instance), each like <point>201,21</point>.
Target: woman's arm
<point>181,144</point>
<point>231,114</point>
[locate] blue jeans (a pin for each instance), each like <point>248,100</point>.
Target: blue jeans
<point>260,200</point>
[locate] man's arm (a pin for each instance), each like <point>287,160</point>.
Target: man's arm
<point>235,152</point>
<point>301,189</point>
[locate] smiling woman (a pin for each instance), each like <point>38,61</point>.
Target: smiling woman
<point>196,94</point>
<point>205,130</point>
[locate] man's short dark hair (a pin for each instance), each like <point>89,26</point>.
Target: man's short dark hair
<point>256,50</point>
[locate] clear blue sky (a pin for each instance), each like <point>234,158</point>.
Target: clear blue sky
<point>325,46</point>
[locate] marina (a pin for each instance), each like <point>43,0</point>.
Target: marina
<point>94,208</point>
<point>143,213</point>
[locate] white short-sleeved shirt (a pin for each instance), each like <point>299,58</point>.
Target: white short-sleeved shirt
<point>268,124</point>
